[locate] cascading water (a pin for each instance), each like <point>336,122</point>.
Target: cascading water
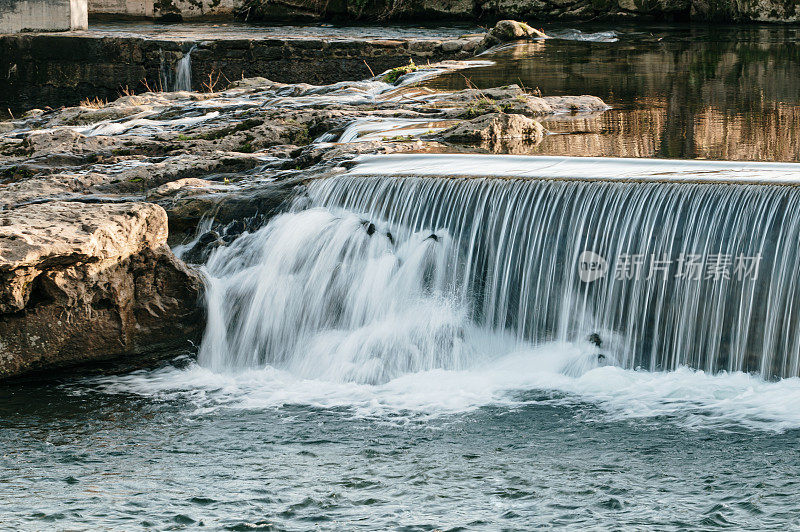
<point>328,294</point>
<point>183,71</point>
<point>384,275</point>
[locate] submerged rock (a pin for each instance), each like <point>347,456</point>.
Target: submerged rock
<point>595,339</point>
<point>85,283</point>
<point>495,127</point>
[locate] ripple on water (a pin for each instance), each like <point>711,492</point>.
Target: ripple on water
<point>519,453</point>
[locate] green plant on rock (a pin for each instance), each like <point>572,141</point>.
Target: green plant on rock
<point>15,173</point>
<point>300,137</point>
<point>394,74</point>
<point>400,138</point>
<point>483,106</point>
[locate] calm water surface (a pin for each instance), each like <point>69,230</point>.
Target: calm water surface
<point>677,92</point>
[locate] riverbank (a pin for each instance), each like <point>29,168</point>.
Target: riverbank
<point>549,10</point>
<point>55,69</point>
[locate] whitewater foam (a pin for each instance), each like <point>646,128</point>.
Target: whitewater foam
<point>559,375</point>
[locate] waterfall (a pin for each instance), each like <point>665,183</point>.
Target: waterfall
<point>329,294</point>
<point>183,72</point>
<point>377,275</point>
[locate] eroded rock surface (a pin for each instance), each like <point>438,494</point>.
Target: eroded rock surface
<point>510,30</point>
<point>495,127</point>
<point>91,282</point>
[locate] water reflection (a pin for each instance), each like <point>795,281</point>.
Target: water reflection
<point>679,92</point>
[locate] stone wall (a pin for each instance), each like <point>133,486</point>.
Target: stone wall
<point>55,70</point>
<point>122,8</point>
<point>529,10</point>
<point>165,9</point>
<point>42,15</point>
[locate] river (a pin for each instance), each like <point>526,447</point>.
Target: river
<point>397,351</point>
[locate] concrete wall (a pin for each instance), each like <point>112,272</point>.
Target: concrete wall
<point>125,8</point>
<point>43,15</point>
<point>194,9</point>
<point>175,9</point>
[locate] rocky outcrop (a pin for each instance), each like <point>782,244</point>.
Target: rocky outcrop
<point>91,282</point>
<point>508,31</point>
<point>513,99</point>
<point>85,275</point>
<point>235,162</point>
<point>495,127</point>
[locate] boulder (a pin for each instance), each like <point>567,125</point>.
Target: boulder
<point>494,127</point>
<point>86,283</point>
<point>509,30</point>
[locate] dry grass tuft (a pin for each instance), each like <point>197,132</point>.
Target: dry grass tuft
<point>95,103</point>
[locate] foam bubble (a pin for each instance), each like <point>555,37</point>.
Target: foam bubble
<point>568,373</point>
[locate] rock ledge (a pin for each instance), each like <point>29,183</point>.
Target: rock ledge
<point>90,282</point>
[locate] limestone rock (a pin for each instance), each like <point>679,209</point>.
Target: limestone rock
<point>186,186</point>
<point>509,30</point>
<point>91,282</point>
<point>469,103</point>
<point>65,141</point>
<point>575,104</point>
<point>495,127</point>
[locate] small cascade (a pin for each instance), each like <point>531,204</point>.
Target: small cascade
<point>178,77</point>
<point>183,72</point>
<point>380,275</point>
<point>328,294</point>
